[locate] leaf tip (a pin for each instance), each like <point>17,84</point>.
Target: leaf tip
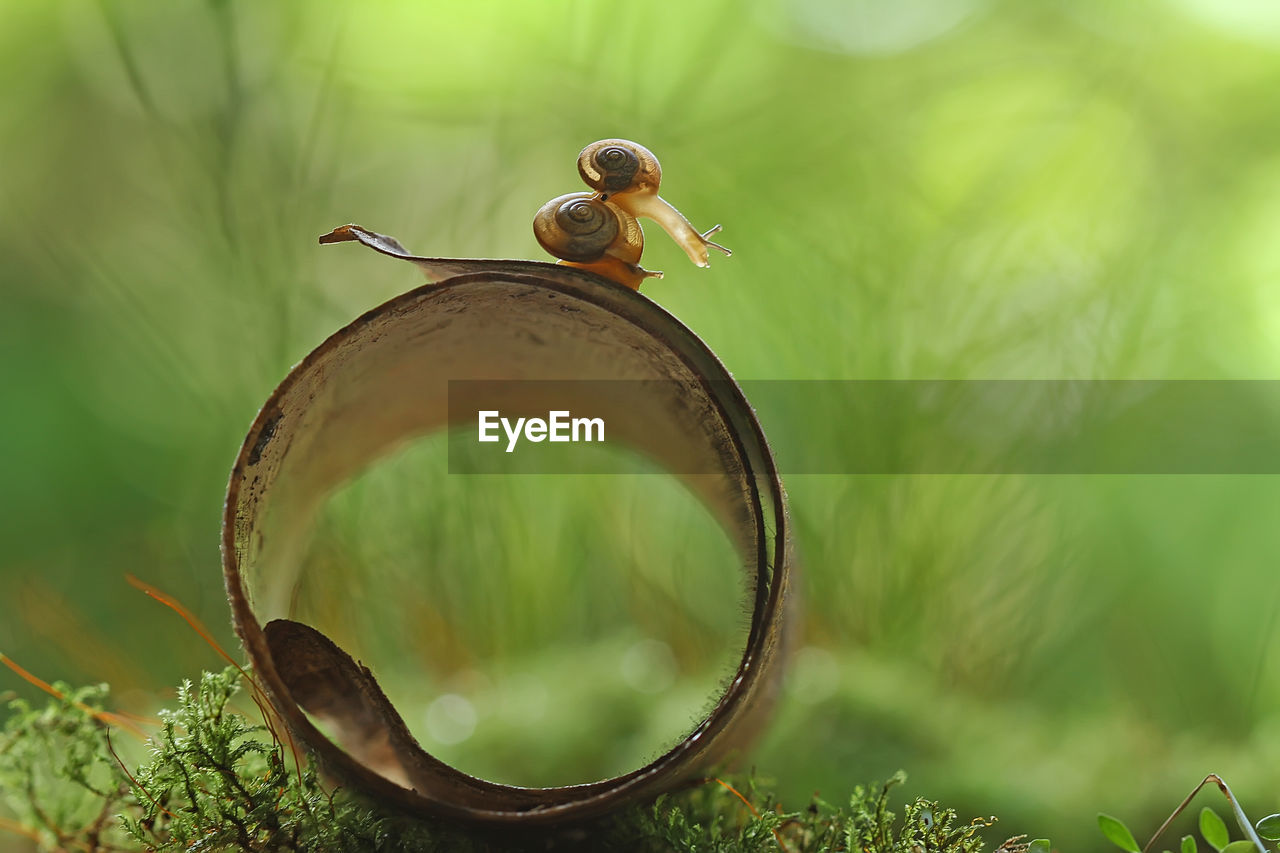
<point>341,234</point>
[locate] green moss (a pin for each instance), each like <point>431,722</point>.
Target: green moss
<point>216,780</point>
<point>57,774</point>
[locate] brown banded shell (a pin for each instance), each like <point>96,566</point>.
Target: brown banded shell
<point>619,165</point>
<point>576,227</point>
<point>582,228</point>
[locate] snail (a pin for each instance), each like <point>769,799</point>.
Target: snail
<point>627,174</point>
<point>584,230</point>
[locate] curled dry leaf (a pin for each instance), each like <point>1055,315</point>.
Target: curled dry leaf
<point>383,379</point>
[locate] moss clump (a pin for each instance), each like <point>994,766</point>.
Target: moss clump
<point>714,816</point>
<point>57,776</point>
<point>215,780</point>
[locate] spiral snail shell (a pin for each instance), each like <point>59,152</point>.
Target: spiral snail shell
<point>581,227</point>
<point>619,165</point>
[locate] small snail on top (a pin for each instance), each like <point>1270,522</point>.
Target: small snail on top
<point>628,174</point>
<point>598,231</point>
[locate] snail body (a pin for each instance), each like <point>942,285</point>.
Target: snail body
<point>653,206</point>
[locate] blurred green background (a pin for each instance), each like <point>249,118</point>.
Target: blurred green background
<point>950,189</point>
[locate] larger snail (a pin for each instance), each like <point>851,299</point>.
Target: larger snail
<point>585,231</point>
<point>625,176</point>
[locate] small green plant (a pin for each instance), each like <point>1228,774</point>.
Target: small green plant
<point>215,780</point>
<point>715,816</point>
<point>871,826</point>
<point>57,776</point>
<point>1212,827</point>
